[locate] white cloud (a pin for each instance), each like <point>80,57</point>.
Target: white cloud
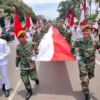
<point>41,1</point>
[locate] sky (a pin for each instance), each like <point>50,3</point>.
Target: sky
<point>48,8</point>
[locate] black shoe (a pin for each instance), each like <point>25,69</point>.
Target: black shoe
<point>29,94</point>
<point>37,82</point>
<point>3,87</point>
<point>87,96</point>
<point>7,93</point>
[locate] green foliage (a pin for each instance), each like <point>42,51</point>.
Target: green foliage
<point>92,17</point>
<point>7,9</point>
<point>66,6</point>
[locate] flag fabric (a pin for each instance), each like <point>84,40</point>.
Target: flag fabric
<point>17,28</point>
<point>72,20</point>
<point>29,23</point>
<point>82,20</point>
<point>53,47</point>
<point>83,14</point>
<point>66,19</point>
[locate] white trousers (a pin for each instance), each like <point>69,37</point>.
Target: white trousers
<point>4,79</point>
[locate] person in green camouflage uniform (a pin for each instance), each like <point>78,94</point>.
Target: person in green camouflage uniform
<point>84,50</point>
<point>36,37</point>
<point>61,30</point>
<point>24,53</point>
<point>68,35</point>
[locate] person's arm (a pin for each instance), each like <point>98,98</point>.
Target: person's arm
<point>17,57</point>
<point>6,50</point>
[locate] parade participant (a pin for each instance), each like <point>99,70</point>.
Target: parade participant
<point>4,52</point>
<point>24,56</point>
<point>28,34</point>
<point>84,51</point>
<point>61,29</point>
<point>68,34</point>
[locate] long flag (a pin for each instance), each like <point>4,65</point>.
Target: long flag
<point>53,47</point>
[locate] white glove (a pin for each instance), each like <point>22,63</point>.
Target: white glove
<point>17,68</point>
<point>33,58</point>
<point>1,58</point>
<point>78,58</point>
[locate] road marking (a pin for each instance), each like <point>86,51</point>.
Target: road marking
<point>97,62</point>
<point>97,55</point>
<point>12,95</point>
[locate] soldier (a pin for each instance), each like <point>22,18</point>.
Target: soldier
<point>4,52</point>
<point>61,30</point>
<point>24,53</point>
<point>68,34</point>
<point>84,51</point>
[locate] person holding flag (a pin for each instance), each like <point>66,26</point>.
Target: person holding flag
<point>24,53</point>
<point>84,51</point>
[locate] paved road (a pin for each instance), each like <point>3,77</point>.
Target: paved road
<point>58,81</point>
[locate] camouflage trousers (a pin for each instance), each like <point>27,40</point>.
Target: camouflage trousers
<point>26,75</point>
<point>86,73</point>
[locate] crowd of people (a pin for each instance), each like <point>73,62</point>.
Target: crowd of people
<point>83,49</point>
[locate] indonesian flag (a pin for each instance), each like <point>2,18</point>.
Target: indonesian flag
<point>17,28</point>
<point>83,14</point>
<point>29,23</point>
<point>72,20</point>
<point>53,47</point>
<point>66,19</point>
<point>82,20</point>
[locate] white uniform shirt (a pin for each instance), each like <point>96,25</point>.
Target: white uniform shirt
<point>4,52</point>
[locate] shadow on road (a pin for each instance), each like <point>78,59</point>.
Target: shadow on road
<point>54,80</point>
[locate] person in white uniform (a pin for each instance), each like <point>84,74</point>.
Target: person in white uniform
<point>4,52</point>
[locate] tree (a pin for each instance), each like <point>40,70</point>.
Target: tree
<point>7,11</point>
<point>66,6</point>
<point>97,1</point>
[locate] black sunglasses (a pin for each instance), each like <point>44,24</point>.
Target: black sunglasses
<point>22,36</point>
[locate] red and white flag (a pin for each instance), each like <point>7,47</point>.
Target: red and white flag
<point>29,23</point>
<point>83,14</point>
<point>72,20</point>
<point>53,47</point>
<point>17,28</point>
<point>66,19</point>
<point>82,20</point>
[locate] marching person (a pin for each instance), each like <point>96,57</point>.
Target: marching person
<point>4,52</point>
<point>24,56</point>
<point>84,51</point>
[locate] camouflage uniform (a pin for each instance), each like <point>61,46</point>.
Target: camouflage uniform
<point>27,66</point>
<point>62,30</point>
<point>67,36</point>
<point>37,38</point>
<point>85,49</point>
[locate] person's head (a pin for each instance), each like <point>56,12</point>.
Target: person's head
<point>86,30</point>
<point>68,26</point>
<point>22,36</point>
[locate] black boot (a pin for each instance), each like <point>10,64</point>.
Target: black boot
<point>3,87</point>
<point>29,94</point>
<point>37,82</point>
<point>87,96</point>
<point>7,93</point>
